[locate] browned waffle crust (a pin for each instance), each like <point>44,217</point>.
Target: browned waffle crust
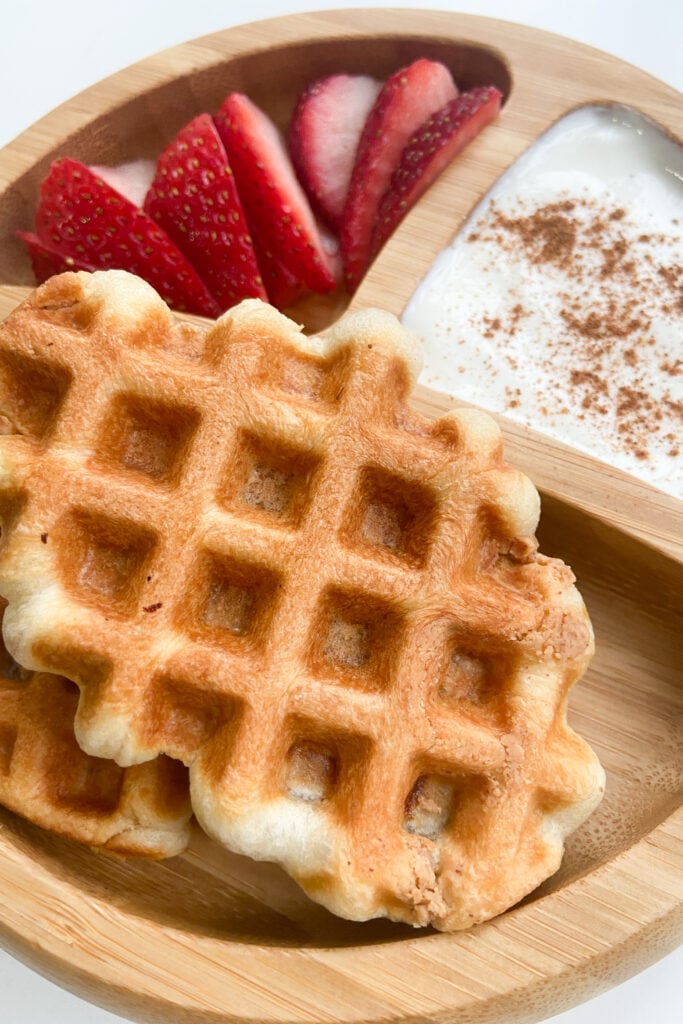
<point>251,555</point>
<point>46,777</point>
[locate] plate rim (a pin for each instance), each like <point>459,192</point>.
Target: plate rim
<point>637,942</point>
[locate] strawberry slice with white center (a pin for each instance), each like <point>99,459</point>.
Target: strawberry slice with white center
<point>131,179</point>
<point>406,100</point>
<point>290,250</point>
<point>323,138</point>
<point>88,222</point>
<point>435,144</point>
<point>193,197</point>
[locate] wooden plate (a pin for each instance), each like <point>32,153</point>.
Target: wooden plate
<point>213,937</point>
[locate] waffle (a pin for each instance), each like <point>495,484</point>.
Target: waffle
<point>46,778</point>
<point>251,555</point>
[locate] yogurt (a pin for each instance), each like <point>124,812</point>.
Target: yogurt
<point>560,302</point>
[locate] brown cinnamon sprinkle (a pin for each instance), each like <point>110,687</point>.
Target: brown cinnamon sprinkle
<point>549,234</point>
<point>619,281</point>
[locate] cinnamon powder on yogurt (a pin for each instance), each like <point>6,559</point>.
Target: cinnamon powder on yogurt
<point>592,242</point>
<point>560,303</point>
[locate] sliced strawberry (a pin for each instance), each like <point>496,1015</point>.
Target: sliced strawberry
<point>407,99</point>
<point>193,197</point>
<point>289,248</point>
<point>86,220</point>
<point>46,260</point>
<point>430,150</point>
<point>323,138</point>
<point>131,179</point>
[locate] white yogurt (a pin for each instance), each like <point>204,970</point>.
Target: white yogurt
<point>560,302</point>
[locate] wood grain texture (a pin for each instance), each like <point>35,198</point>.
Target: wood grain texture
<point>213,937</point>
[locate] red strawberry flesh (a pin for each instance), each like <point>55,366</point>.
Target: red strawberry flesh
<point>431,149</point>
<point>323,138</point>
<point>193,197</point>
<point>407,99</point>
<point>80,216</point>
<point>289,249</point>
<point>46,260</point>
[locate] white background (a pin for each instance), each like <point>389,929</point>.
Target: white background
<point>51,49</point>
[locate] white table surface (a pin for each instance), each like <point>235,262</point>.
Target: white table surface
<point>51,49</point>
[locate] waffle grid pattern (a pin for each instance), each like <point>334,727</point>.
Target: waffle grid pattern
<point>46,778</point>
<point>270,568</point>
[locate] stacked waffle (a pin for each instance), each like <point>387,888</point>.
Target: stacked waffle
<point>45,776</point>
<point>251,556</point>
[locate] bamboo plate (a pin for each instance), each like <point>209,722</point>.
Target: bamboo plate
<point>213,937</point>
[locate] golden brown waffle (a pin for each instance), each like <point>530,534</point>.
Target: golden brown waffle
<point>45,776</point>
<point>251,555</point>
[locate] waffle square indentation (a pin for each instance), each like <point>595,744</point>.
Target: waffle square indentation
<point>181,716</point>
<point>84,783</point>
<point>230,597</point>
<point>34,390</point>
<point>391,515</point>
<point>356,638</point>
<point>474,678</point>
<point>307,377</point>
<point>104,559</point>
<point>467,677</point>
<point>429,805</point>
<point>147,437</point>
<point>437,800</point>
<point>312,770</point>
<point>324,763</point>
<point>270,478</point>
